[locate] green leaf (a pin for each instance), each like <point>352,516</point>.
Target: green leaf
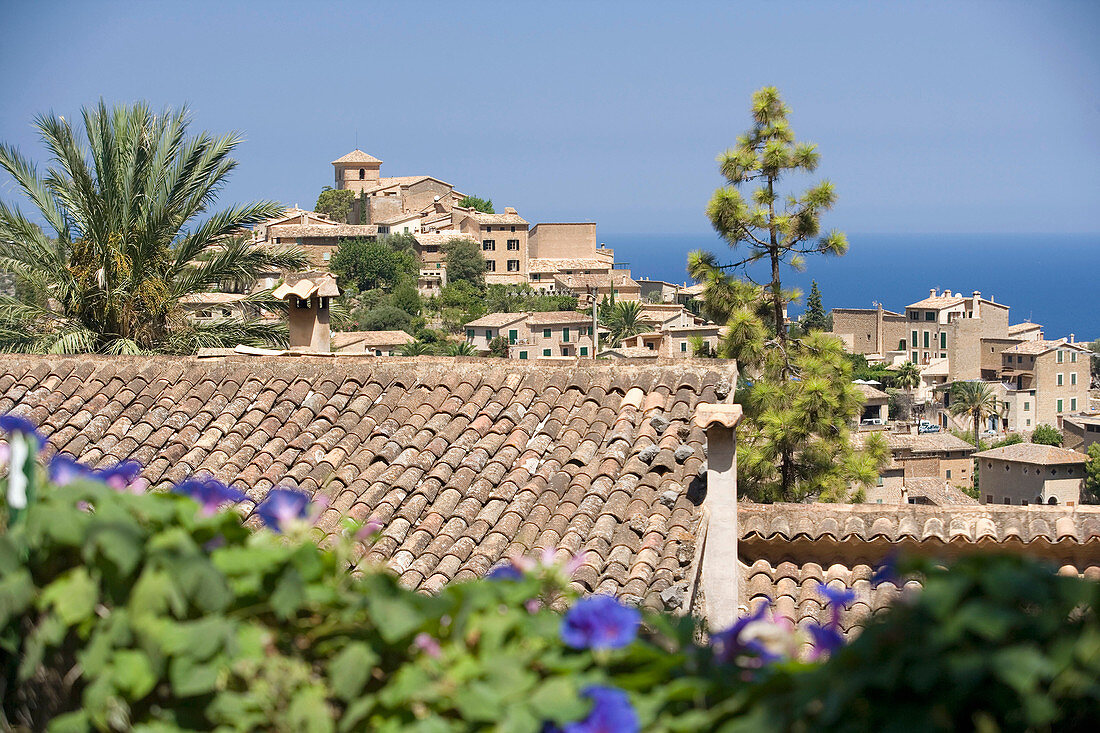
<point>309,711</point>
<point>395,616</point>
<point>120,543</point>
<point>132,673</point>
<point>73,596</point>
<point>189,677</point>
<point>559,700</point>
<point>74,722</point>
<point>16,593</point>
<point>289,594</point>
<point>350,669</point>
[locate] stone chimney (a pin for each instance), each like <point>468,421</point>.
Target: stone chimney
<point>975,302</point>
<point>1072,336</point>
<point>307,295</point>
<point>720,571</point>
<point>510,210</point>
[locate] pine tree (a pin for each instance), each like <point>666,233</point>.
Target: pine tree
<point>765,155</point>
<point>815,319</point>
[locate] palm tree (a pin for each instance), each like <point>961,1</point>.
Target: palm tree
<point>416,348</point>
<point>625,320</point>
<point>975,399</point>
<point>129,237</point>
<point>908,376</point>
<point>700,347</point>
<point>461,348</point>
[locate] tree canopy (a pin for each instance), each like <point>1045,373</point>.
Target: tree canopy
<point>335,204</point>
<point>485,206</point>
<point>815,318</point>
<point>975,400</point>
<point>130,238</point>
<point>465,262</point>
<point>1046,435</point>
<point>366,264</point>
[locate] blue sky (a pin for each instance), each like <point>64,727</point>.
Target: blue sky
<point>930,117</point>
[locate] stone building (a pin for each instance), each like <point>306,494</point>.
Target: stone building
<point>1029,473</point>
<point>535,335</point>
<point>873,332</point>
<point>1081,431</point>
<point>376,343</point>
<point>1049,380</point>
<point>938,456</point>
<point>318,235</point>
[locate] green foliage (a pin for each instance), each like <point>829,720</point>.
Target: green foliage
<point>976,400</point>
<point>867,372</point>
<point>815,318</point>
<point>907,376</point>
<point>498,347</point>
<point>1092,475</point>
<point>778,229</point>
<point>130,235</point>
<point>383,318</point>
<point>485,206</point>
<point>465,262</point>
<point>460,348</point>
<point>406,297</point>
<point>122,611</point>
<point>335,204</point>
<point>522,298</point>
<point>417,348</point>
<point>624,319</point>
<point>367,264</point>
<point>1046,435</point>
<point>795,443</point>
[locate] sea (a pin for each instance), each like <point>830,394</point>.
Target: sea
<point>1050,279</point>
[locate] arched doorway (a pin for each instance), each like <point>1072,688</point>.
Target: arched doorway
<point>1052,500</point>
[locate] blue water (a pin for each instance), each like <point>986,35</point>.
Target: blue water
<point>1050,279</point>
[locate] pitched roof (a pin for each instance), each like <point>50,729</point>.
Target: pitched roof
<point>1022,327</point>
<point>1034,453</point>
<point>557,264</point>
<point>360,340</point>
<point>871,393</point>
<point>937,491</point>
<point>631,352</point>
<point>919,443</point>
<point>495,320</point>
<point>620,278</point>
<point>356,156</point>
<point>442,238</point>
<point>938,302</point>
<point>546,317</point>
<point>1042,346</point>
<point>464,461</point>
<point>322,230</point>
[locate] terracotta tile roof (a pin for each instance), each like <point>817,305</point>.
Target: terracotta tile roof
<point>547,317</point>
<point>356,156</point>
<point>211,298</point>
<point>869,392</point>
<point>1022,327</point>
<point>1034,453</point>
<point>306,284</point>
<point>573,282</point>
<point>937,491</point>
<point>322,230</point>
<point>483,218</point>
<point>938,302</point>
<point>496,320</point>
<point>442,238</point>
<point>921,443</point>
<point>631,352</point>
<point>1042,346</point>
<point>463,461</point>
<point>360,340</point>
<point>552,264</point>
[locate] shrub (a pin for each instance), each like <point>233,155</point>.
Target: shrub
<point>121,609</point>
<point>1046,435</point>
<point>384,318</point>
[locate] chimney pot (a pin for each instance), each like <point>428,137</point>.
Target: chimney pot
<point>931,292</point>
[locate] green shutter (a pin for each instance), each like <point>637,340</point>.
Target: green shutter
<point>546,333</point>
<point>1059,405</point>
<point>584,351</point>
<point>523,355</point>
<point>513,336</point>
<point>489,334</point>
<point>470,333</point>
<point>943,339</point>
<point>546,352</point>
<point>565,334</point>
<point>926,339</point>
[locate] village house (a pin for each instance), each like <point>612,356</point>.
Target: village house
<point>875,414</point>
<point>535,335</point>
<point>377,343</point>
<point>318,235</point>
<point>1081,431</point>
<point>617,285</point>
<point>1029,473</point>
<point>940,457</point>
<point>1049,380</point>
<point>466,463</point>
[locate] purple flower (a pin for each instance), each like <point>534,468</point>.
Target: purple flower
<point>727,644</point>
<point>64,469</point>
<point>600,622</point>
<point>281,506</point>
<point>428,644</point>
<point>611,712</point>
<point>505,572</point>
<point>16,425</point>
<point>122,476</point>
<point>369,529</point>
<point>208,492</point>
<point>842,597</point>
<point>827,639</point>
<point>887,571</point>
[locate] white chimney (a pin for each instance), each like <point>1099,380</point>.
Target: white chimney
<point>1071,337</point>
<point>931,292</point>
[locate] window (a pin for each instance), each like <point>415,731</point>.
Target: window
<point>930,316</point>
<point>362,174</point>
<point>546,352</point>
<point>989,498</point>
<point>914,334</point>
<point>913,315</point>
<point>565,334</point>
<point>949,473</point>
<point>1019,359</point>
<point>535,276</point>
<point>513,265</point>
<point>1027,406</point>
<point>926,339</point>
<point>914,359</point>
<point>546,332</point>
<point>1061,356</point>
<point>523,355</point>
<point>513,336</point>
<point>943,339</point>
<point>1059,405</point>
<point>879,501</point>
<point>901,345</point>
<point>513,245</point>
<point>1060,379</point>
<point>1073,377</point>
<point>1072,404</point>
<point>489,334</point>
<point>1028,421</point>
<point>1073,356</point>
<point>1007,500</point>
<point>470,334</point>
<point>683,346</point>
<point>488,245</point>
<point>584,351</point>
<point>490,266</point>
<point>326,256</point>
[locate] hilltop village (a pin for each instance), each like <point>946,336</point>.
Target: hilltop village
<point>942,340</point>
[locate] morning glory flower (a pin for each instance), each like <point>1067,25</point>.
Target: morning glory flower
<point>282,506</point>
<point>842,597</point>
<point>16,425</point>
<point>122,476</point>
<point>505,572</point>
<point>600,622</point>
<point>64,469</point>
<point>887,571</point>
<point>428,644</point>
<point>827,639</point>
<point>210,493</point>
<point>611,712</point>
<point>728,645</point>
